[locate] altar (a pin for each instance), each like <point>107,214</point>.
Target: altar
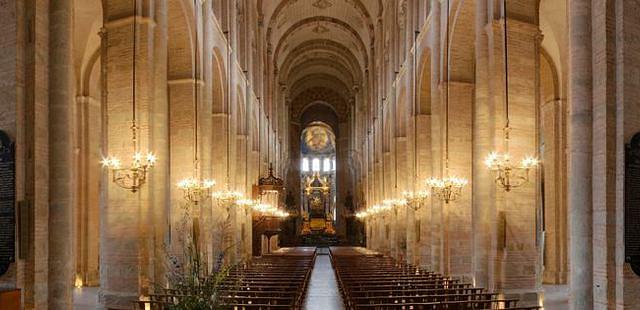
<point>318,206</point>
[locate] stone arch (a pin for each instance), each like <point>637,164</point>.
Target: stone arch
<point>240,115</point>
<point>402,111</point>
<point>461,41</point>
<point>345,27</point>
<point>423,82</point>
<point>319,110</point>
<point>180,40</point>
<point>219,78</point>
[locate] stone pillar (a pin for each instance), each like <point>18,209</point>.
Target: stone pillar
<point>32,137</point>
<point>555,213</point>
<point>580,150</point>
<point>61,153</point>
<point>132,224</point>
<point>518,257</point>
<point>605,30</point>
<point>181,166</point>
<point>436,134</point>
<point>87,189</point>
<point>343,177</point>
<point>159,141</point>
<point>484,208</point>
<point>424,171</point>
<point>457,217</point>
<point>219,173</point>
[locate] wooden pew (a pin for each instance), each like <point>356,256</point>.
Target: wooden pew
<point>369,280</point>
<point>276,281</point>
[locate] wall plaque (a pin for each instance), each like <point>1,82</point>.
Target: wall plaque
<point>7,202</point>
<point>632,204</point>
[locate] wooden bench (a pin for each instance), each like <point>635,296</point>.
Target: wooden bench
<point>369,280</point>
<point>276,281</point>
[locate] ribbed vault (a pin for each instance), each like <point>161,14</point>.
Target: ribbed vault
<point>320,49</point>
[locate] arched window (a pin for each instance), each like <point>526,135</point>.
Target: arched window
<point>315,164</point>
<point>305,164</point>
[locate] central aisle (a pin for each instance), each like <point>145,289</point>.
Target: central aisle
<point>323,292</point>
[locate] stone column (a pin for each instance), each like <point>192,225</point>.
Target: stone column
<point>132,224</point>
<point>424,171</point>
<point>484,209</point>
<point>606,84</point>
<point>87,190</point>
<point>181,166</point>
<point>518,257</point>
<point>458,214</point>
<point>342,175</point>
<point>62,157</point>
<point>580,150</point>
<point>553,158</point>
<point>159,140</point>
<point>435,229</point>
<point>219,173</point>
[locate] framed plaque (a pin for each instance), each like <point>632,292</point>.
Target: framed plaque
<point>7,202</point>
<point>632,204</point>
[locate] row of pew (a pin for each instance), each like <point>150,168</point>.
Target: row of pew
<point>276,281</point>
<point>369,280</point>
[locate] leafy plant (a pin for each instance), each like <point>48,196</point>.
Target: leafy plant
<point>193,286</point>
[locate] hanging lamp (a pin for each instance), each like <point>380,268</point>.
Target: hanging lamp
<point>508,175</point>
<point>134,176</point>
<point>195,189</point>
<point>447,188</point>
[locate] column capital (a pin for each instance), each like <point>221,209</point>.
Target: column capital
<point>128,20</point>
<point>514,25</point>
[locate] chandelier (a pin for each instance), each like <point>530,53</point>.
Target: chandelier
<point>447,188</point>
<point>135,175</point>
<point>414,200</point>
<point>394,203</point>
<point>366,212</point>
<point>196,189</point>
<point>508,174</point>
<point>269,210</point>
<point>377,209</point>
<point>227,197</point>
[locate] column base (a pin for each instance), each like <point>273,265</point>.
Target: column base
<point>115,300</point>
<point>525,297</point>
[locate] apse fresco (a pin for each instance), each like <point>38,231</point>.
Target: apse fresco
<point>318,138</point>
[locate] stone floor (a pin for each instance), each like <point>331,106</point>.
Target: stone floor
<point>323,292</point>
